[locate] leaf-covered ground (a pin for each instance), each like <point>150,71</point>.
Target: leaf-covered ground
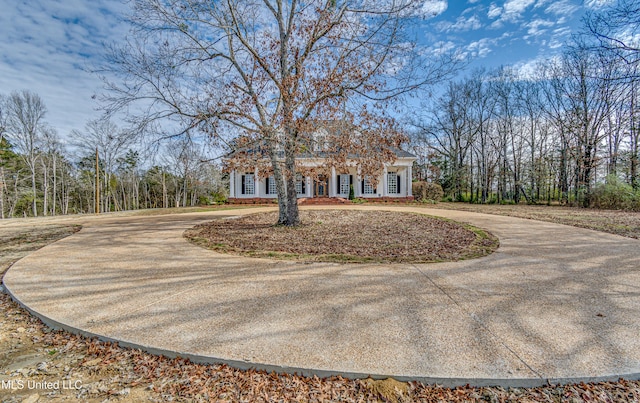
<point>30,351</point>
<point>108,373</point>
<point>347,236</point>
<point>618,222</point>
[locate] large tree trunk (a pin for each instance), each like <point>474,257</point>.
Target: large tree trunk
<point>291,215</point>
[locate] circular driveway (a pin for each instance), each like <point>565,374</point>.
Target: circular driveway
<point>552,304</point>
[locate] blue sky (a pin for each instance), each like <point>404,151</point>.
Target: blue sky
<point>46,46</point>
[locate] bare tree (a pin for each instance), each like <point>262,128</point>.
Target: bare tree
<point>265,73</point>
<point>3,128</point>
<point>26,126</point>
<point>48,162</point>
<point>183,156</point>
<point>452,134</point>
<point>616,30</point>
<point>110,142</point>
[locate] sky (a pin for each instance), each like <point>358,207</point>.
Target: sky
<point>50,46</point>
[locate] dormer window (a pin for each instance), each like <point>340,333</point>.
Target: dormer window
<point>320,140</point>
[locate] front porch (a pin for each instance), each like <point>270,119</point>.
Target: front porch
<point>317,201</point>
<point>393,184</point>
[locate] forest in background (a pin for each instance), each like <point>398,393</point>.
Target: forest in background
<point>566,132</point>
<point>41,176</point>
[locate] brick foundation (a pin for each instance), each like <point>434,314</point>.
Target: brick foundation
<point>320,200</point>
<point>388,199</point>
<point>252,200</point>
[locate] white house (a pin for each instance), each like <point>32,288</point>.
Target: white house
<point>393,184</point>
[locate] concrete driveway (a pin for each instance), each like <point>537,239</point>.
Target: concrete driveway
<point>553,303</point>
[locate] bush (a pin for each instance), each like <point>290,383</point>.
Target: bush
<point>615,194</point>
<point>213,198</point>
<point>427,191</point>
<point>351,193</point>
<point>219,198</point>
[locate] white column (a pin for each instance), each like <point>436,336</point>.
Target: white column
<point>232,183</point>
<point>333,183</point>
<point>409,175</point>
<point>256,186</point>
<point>385,187</point>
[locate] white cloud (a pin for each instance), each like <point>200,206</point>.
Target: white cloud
<point>595,4</point>
<point>433,8</point>
<point>480,48</point>
<point>494,11</point>
<point>563,8</point>
<point>462,24</point>
<point>46,48</point>
<point>513,9</point>
<point>537,27</point>
<point>441,47</point>
<point>555,43</point>
<point>530,69</point>
<point>562,31</point>
<point>558,37</point>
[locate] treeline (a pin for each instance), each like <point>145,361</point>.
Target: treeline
<point>566,132</point>
<point>40,175</point>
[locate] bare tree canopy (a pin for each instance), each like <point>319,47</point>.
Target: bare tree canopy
<point>264,73</point>
<point>617,30</point>
<point>26,128</point>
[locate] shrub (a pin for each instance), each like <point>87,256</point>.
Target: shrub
<point>219,198</point>
<point>213,198</point>
<point>427,191</point>
<point>351,193</point>
<point>615,194</point>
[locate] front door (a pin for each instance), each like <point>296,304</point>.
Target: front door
<point>321,187</point>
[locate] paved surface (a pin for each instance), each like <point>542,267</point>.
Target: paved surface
<point>552,303</point>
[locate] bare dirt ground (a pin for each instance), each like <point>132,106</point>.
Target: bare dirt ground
<point>347,236</point>
<point>81,369</point>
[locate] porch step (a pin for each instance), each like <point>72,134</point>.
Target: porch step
<point>315,201</point>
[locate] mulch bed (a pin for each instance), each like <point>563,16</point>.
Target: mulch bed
<point>347,236</point>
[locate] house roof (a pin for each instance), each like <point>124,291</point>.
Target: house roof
<point>323,154</point>
<point>334,126</point>
<point>403,154</point>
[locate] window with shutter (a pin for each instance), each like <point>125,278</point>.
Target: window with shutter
<point>344,185</point>
<point>248,185</point>
<point>392,184</point>
<point>367,187</point>
<point>271,186</point>
<point>300,185</point>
